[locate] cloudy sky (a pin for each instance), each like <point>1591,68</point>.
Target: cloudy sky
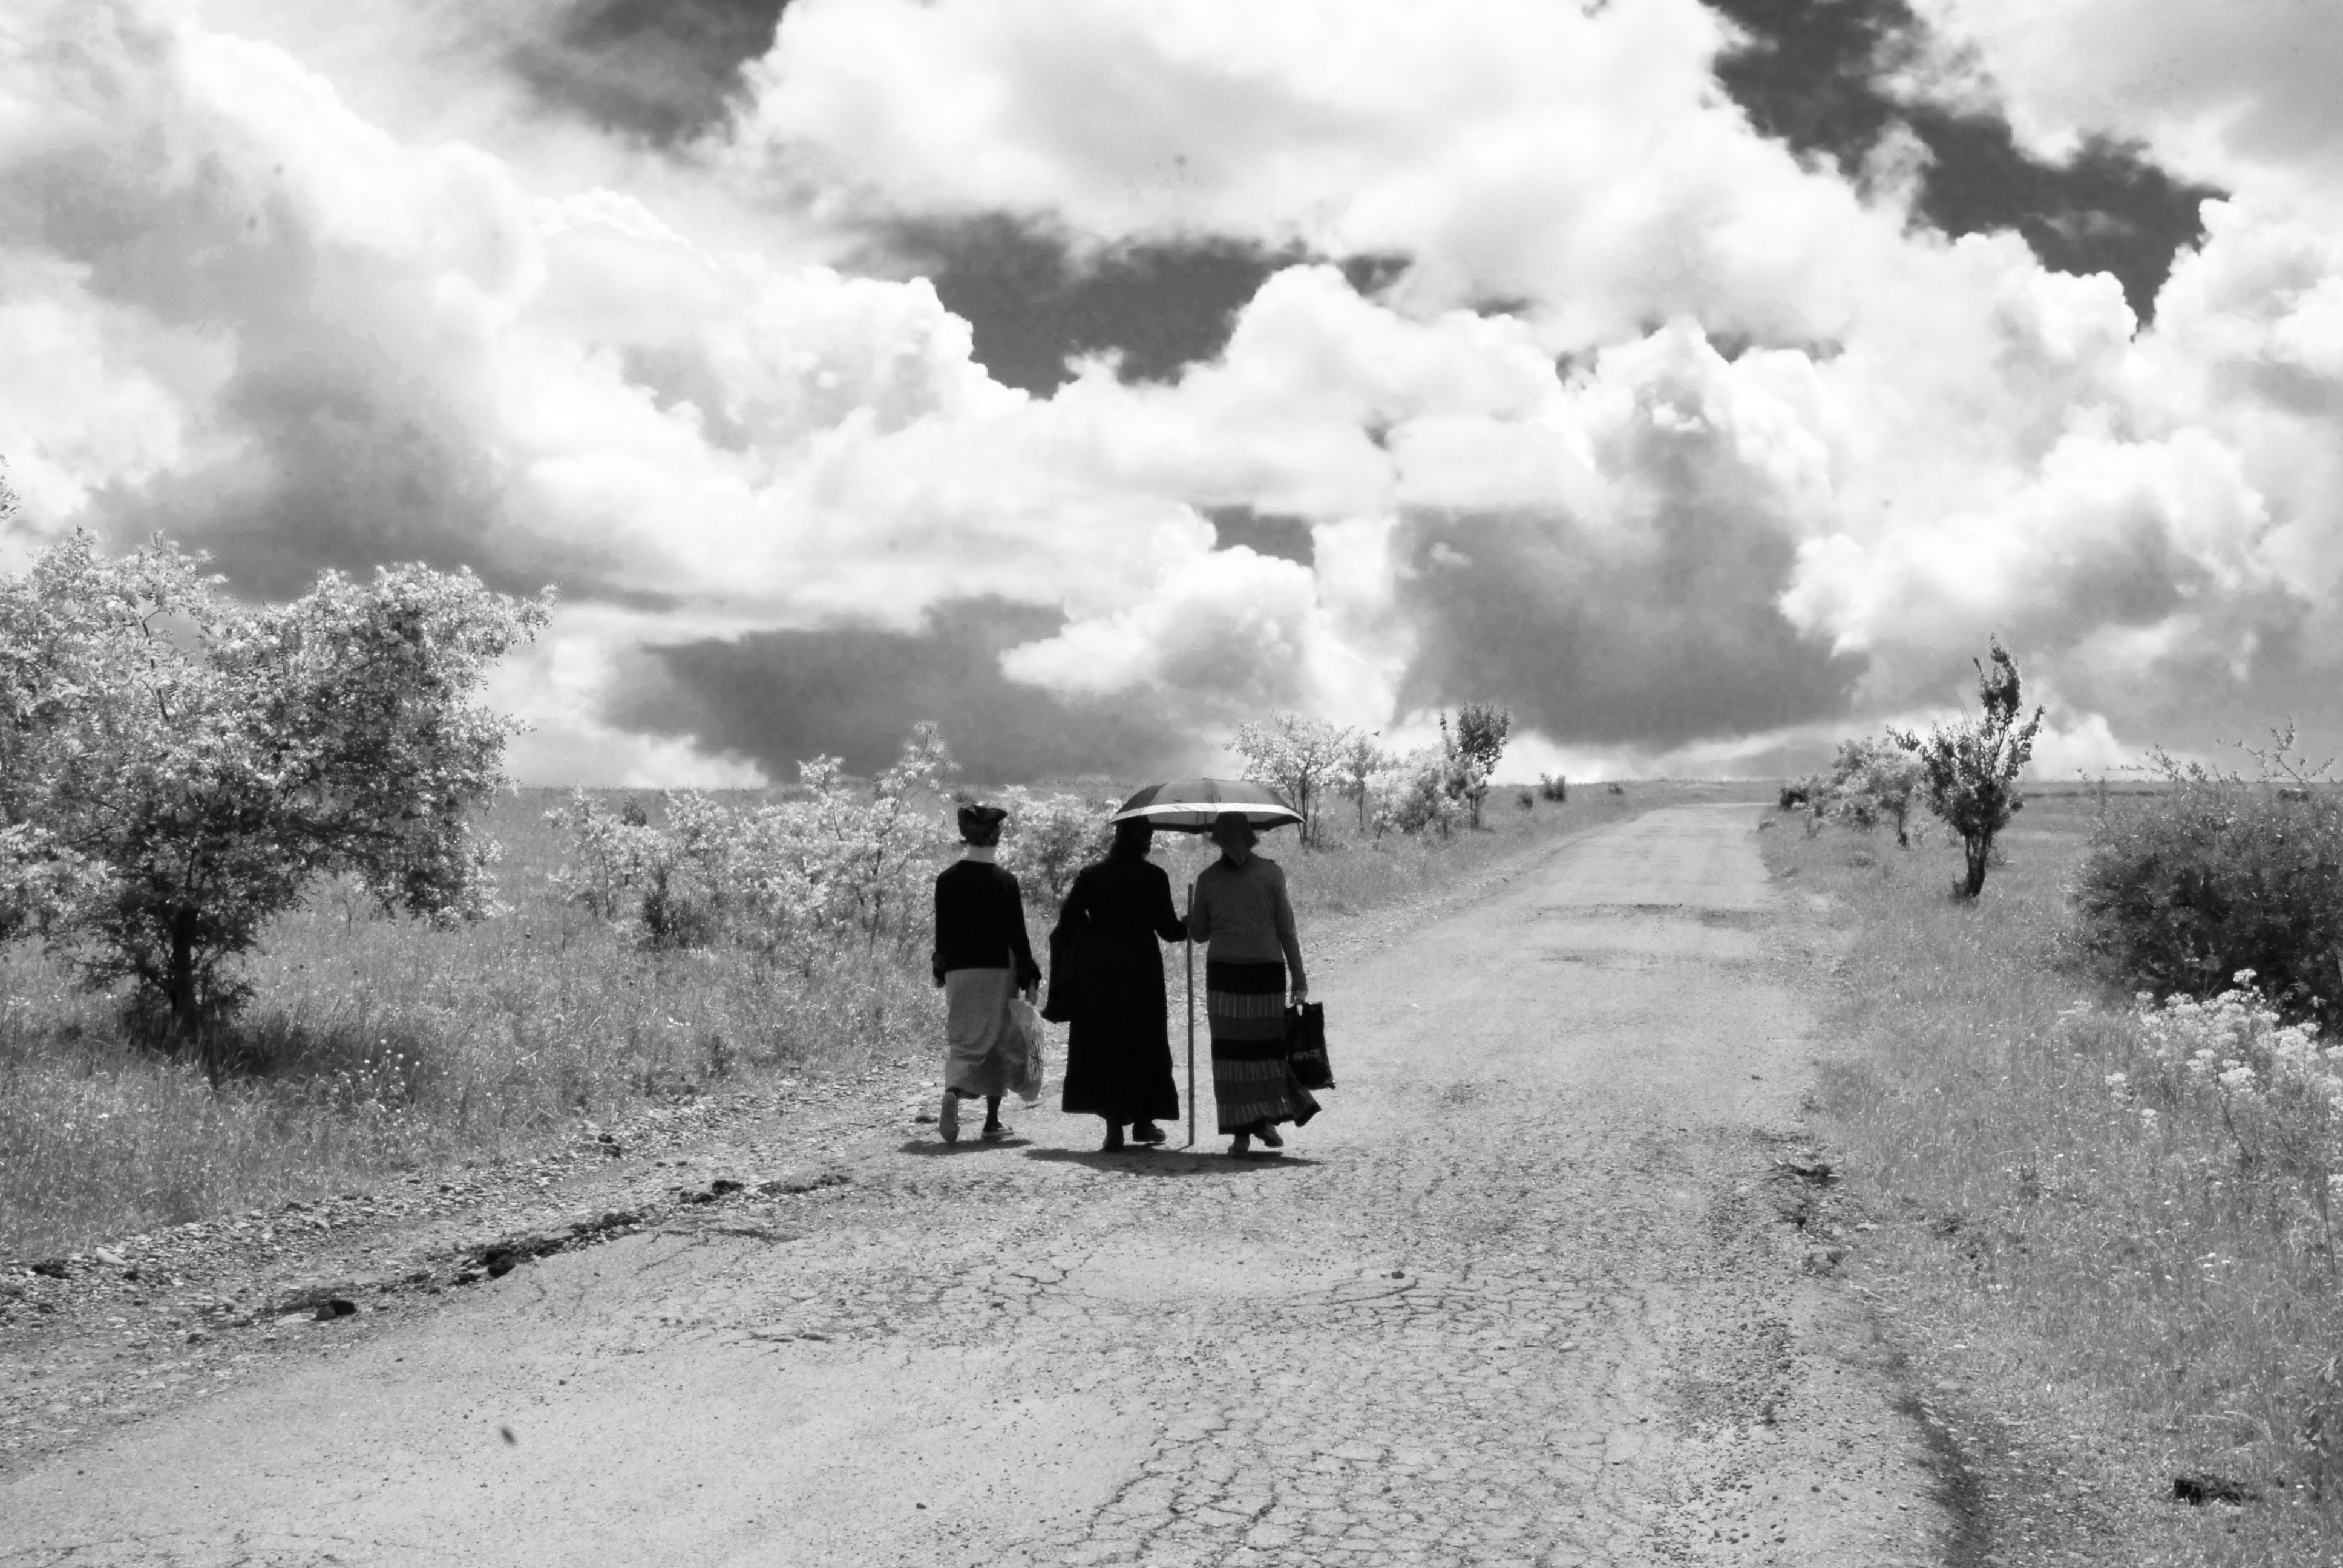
<point>1701,380</point>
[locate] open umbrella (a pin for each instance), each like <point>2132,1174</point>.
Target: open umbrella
<point>1191,806</point>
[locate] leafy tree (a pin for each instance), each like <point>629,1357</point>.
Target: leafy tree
<point>1968,770</point>
<point>1476,743</point>
<point>1296,755</point>
<point>1361,761</point>
<point>176,768</point>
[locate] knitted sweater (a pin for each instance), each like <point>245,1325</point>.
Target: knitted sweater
<point>1244,915</point>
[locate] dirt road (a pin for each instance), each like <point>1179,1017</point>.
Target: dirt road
<point>1524,1294</point>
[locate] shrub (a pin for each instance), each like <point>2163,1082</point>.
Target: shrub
<point>2213,874</point>
<point>1870,782</point>
<point>1969,769</point>
<point>1527,800</point>
<point>1553,787</point>
<point>1425,791</point>
<point>1615,788</point>
<point>1050,836</point>
<point>1795,794</point>
<point>833,865</point>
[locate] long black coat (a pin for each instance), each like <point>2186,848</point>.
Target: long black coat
<point>1106,978</point>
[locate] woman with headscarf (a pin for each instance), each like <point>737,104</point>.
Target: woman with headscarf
<point>1240,909</point>
<point>1106,980</point>
<point>982,956</point>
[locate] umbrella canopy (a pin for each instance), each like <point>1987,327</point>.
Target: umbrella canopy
<point>1189,805</point>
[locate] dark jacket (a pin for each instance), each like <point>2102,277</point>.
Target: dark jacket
<point>1106,979</point>
<point>980,922</point>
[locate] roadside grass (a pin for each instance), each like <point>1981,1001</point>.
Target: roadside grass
<point>375,1046</point>
<point>2127,1301</point>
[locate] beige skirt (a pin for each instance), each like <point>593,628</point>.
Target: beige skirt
<point>976,1016</point>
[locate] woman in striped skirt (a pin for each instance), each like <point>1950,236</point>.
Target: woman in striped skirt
<point>1240,911</point>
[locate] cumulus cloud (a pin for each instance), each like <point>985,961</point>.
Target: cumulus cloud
<point>2242,92</point>
<point>1693,451</point>
<point>1580,159</point>
<point>1637,599</point>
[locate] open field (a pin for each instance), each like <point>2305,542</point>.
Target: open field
<point>2106,1303</point>
<point>374,1046</point>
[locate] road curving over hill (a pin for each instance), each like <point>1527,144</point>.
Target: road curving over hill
<point>1526,1293</point>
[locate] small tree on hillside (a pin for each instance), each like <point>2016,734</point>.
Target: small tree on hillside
<point>176,769</point>
<point>1362,761</point>
<point>1477,741</point>
<point>1968,770</point>
<point>1296,755</point>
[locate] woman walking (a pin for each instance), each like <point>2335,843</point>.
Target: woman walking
<point>1106,980</point>
<point>1242,911</point>
<point>982,956</point>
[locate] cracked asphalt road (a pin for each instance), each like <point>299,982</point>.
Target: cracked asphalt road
<point>1524,1294</point>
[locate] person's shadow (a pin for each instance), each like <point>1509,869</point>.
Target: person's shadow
<point>970,1143</point>
<point>1169,1161</point>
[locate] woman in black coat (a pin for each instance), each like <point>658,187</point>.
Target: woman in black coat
<point>1106,979</point>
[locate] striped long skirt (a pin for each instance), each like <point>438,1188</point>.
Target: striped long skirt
<point>1250,1081</point>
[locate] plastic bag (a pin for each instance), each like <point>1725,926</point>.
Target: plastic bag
<point>1305,1046</point>
<point>1025,1042</point>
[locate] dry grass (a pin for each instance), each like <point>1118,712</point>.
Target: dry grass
<point>375,1046</point>
<point>2126,1301</point>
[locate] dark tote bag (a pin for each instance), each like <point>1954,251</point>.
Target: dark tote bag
<point>1305,1045</point>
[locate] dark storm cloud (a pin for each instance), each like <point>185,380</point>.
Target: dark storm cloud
<point>1033,299</point>
<point>1032,303</point>
<point>781,697</point>
<point>347,464</point>
<point>1263,533</point>
<point>1813,75</point>
<point>663,70</point>
<point>1668,638</point>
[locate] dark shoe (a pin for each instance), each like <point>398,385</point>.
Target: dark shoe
<point>993,1133</point>
<point>1267,1133</point>
<point>1146,1132</point>
<point>1114,1145</point>
<point>948,1118</point>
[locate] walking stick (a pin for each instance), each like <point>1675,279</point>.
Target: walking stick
<point>1191,1026</point>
